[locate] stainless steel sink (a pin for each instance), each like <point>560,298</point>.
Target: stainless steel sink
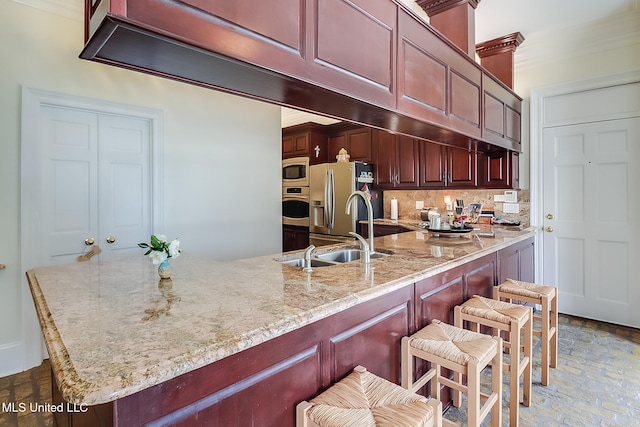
<point>299,262</point>
<point>336,257</point>
<point>348,255</point>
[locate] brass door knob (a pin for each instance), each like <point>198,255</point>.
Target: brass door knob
<point>111,239</point>
<point>89,241</point>
<point>549,216</point>
<point>549,229</point>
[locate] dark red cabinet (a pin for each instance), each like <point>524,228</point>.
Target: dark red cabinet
<point>395,160</point>
<point>305,140</point>
<point>500,169</point>
<point>357,142</point>
<point>294,238</point>
<point>442,166</point>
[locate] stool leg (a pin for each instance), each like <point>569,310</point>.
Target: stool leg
<point>554,324</point>
<point>473,394</point>
<point>528,353</point>
<point>514,371</point>
<point>545,340</point>
<point>407,366</point>
<point>496,385</point>
<point>435,381</point>
<point>457,376</point>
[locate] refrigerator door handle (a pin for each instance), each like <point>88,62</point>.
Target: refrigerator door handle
<point>331,199</point>
<point>326,199</point>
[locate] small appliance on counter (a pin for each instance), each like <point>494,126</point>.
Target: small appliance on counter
<point>330,184</point>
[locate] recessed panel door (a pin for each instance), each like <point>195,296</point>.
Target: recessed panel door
<point>591,232</point>
<point>94,181</point>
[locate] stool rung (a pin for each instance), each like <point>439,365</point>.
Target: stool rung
<point>488,404</point>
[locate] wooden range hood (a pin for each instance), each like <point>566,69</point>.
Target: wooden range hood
<point>370,62</point>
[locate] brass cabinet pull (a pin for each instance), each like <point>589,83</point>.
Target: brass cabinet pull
<point>2,266</point>
<point>549,216</point>
<point>111,239</point>
<point>89,241</point>
<point>549,229</point>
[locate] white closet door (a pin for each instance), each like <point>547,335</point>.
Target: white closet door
<point>125,184</point>
<point>591,206</point>
<point>94,183</point>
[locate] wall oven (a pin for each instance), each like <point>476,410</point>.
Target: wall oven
<point>295,172</point>
<point>295,206</point>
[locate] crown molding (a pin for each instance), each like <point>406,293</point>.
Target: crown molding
<point>503,44</point>
<point>434,7</point>
<point>73,9</point>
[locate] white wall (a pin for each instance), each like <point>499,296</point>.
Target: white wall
<point>222,152</point>
<point>606,47</point>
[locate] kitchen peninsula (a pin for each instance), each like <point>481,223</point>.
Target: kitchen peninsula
<point>243,342</point>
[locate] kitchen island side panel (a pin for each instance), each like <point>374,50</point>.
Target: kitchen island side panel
<point>263,384</point>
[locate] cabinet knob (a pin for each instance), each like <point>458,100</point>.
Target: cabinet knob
<point>549,216</point>
<point>549,229</point>
<point>111,239</point>
<point>89,241</point>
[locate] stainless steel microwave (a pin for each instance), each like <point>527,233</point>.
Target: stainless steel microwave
<point>295,172</point>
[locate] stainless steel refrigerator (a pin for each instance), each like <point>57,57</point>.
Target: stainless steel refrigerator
<point>330,184</point>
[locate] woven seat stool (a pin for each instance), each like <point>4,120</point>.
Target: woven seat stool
<point>462,351</point>
<point>515,320</point>
<point>366,400</point>
<point>547,296</point>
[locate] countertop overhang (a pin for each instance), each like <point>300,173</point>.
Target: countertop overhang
<point>113,328</point>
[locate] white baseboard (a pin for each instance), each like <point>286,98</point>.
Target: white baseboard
<point>11,358</point>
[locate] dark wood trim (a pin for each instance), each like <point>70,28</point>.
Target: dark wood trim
<point>507,43</point>
<point>434,7</point>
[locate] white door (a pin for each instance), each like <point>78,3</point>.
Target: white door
<point>95,182</point>
<point>591,209</point>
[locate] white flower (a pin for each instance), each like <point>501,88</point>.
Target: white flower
<point>174,248</point>
<point>158,257</point>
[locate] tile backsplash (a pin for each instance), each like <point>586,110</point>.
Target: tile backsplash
<point>435,198</point>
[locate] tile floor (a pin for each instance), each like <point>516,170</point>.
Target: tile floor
<point>597,383</point>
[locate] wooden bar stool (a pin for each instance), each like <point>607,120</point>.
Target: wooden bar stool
<point>515,320</point>
<point>366,400</point>
<point>547,297</point>
<point>462,351</point>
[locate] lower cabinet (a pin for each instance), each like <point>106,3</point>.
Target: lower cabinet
<point>263,384</point>
<point>517,262</point>
<point>382,230</point>
<point>294,238</point>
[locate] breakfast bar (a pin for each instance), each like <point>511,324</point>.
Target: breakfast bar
<point>243,342</point>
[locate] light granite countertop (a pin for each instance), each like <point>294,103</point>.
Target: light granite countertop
<point>113,328</point>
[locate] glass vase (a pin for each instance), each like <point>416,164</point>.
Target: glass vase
<point>164,269</point>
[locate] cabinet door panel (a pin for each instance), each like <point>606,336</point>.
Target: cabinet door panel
<point>432,165</point>
<point>482,279</point>
<point>374,343</point>
<point>465,100</point>
<point>354,49</point>
<point>360,145</point>
<point>385,158</point>
<point>462,168</point>
<point>407,164</point>
<point>283,27</point>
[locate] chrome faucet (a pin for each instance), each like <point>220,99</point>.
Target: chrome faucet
<point>307,258</point>
<point>364,246</point>
<point>367,202</point>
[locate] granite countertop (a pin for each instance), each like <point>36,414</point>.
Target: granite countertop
<point>113,328</point>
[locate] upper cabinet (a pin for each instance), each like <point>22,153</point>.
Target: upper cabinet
<point>502,115</point>
<point>357,142</point>
<point>370,62</point>
<point>437,82</point>
<point>306,140</point>
<point>441,166</point>
<point>395,161</point>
